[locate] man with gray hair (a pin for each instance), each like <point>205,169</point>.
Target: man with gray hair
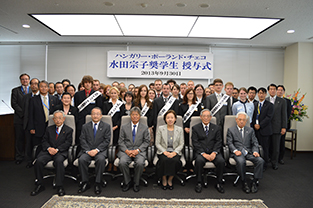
<point>55,144</point>
<point>243,145</point>
<point>133,142</point>
<point>207,142</point>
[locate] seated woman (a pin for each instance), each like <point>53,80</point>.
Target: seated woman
<point>169,143</point>
<point>66,106</point>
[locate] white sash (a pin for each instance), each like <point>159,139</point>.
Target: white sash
<point>144,109</point>
<point>167,106</point>
<point>218,105</point>
<point>114,108</point>
<point>88,100</point>
<point>190,111</point>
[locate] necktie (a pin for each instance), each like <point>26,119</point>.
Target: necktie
<point>165,100</point>
<point>260,107</point>
<point>158,94</point>
<point>206,130</point>
<point>241,132</point>
<point>244,105</point>
<point>57,133</point>
<point>45,108</point>
<point>94,130</point>
<point>134,133</point>
<point>272,100</point>
<point>218,97</point>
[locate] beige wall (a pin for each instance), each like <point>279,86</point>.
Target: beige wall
<point>298,73</point>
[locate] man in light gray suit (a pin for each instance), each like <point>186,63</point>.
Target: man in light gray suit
<point>133,142</point>
<point>279,123</point>
<point>243,145</point>
<point>214,98</point>
<point>94,139</point>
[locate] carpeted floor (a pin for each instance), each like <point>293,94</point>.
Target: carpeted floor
<point>288,187</point>
<point>82,201</point>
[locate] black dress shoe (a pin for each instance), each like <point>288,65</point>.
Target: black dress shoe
<point>245,187</point>
<point>61,191</point>
<point>198,188</point>
<point>163,187</point>
<point>97,189</point>
<point>136,188</point>
<point>17,162</point>
<point>29,165</point>
<point>275,167</point>
<point>282,162</point>
<point>84,186</point>
<point>170,187</point>
<point>219,188</point>
<point>37,190</point>
<point>254,187</point>
<point>126,187</point>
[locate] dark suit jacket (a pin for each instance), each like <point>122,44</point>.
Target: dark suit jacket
<point>101,142</point>
<point>63,142</point>
<point>79,97</point>
<point>265,118</point>
<point>211,101</point>
<point>236,142</point>
<point>142,139</point>
<point>37,119</point>
<point>288,105</point>
<point>26,101</point>
<point>158,104</point>
<point>117,117</point>
<point>203,143</point>
<point>279,119</point>
<point>73,111</point>
<point>183,108</point>
<point>233,100</point>
<point>17,104</point>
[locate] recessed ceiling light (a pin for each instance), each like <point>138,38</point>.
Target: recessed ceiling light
<point>26,26</point>
<point>204,5</point>
<point>108,4</point>
<point>290,31</point>
<point>180,4</point>
<point>143,5</point>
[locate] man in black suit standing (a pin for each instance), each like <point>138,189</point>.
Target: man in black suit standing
<point>59,89</point>
<point>40,107</point>
<point>261,122</point>
<point>164,103</point>
<point>94,139</point>
<point>17,104</point>
<point>85,109</point>
<point>207,143</point>
<point>55,144</point>
<point>229,87</point>
<point>251,94</point>
<point>279,123</point>
<point>34,86</point>
<point>280,93</point>
<point>214,98</point>
<point>243,145</point>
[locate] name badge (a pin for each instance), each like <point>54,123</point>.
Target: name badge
<point>93,102</point>
<point>257,121</point>
<point>225,103</point>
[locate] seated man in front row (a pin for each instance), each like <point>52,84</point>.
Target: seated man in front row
<point>244,145</point>
<point>55,144</point>
<point>94,140</point>
<point>133,142</point>
<point>207,143</point>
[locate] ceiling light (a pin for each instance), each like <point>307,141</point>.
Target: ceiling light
<point>108,4</point>
<point>230,27</point>
<point>143,5</point>
<point>180,5</point>
<point>204,5</point>
<point>290,31</point>
<point>26,26</point>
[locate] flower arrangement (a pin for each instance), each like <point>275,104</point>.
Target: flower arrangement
<point>298,109</point>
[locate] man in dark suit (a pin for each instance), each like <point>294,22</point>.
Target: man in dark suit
<point>55,144</point>
<point>243,145</point>
<point>40,107</point>
<point>133,142</point>
<point>94,140</point>
<point>59,89</point>
<point>280,93</point>
<point>207,143</point>
<point>261,122</point>
<point>214,98</point>
<point>229,87</point>
<point>17,104</point>
<point>251,94</point>
<point>79,97</point>
<point>34,86</point>
<point>279,123</point>
<point>159,103</point>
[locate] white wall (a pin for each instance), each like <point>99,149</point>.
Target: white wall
<point>243,66</point>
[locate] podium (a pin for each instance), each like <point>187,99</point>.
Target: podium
<point>7,138</point>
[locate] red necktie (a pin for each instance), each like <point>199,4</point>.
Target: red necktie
<point>57,133</point>
<point>158,94</point>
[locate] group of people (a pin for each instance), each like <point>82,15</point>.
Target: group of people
<point>35,100</point>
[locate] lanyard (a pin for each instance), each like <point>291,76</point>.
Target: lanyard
<point>56,131</point>
<point>24,91</point>
<point>45,104</point>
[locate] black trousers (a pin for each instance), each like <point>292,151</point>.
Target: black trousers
<point>264,142</point>
<point>219,162</point>
<point>168,166</point>
<point>282,147</point>
<point>43,158</point>
<point>19,141</point>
